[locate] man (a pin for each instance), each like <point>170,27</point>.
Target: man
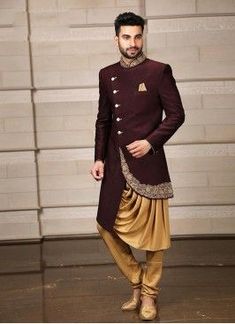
<point>130,160</point>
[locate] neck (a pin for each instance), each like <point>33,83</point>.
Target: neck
<point>130,62</point>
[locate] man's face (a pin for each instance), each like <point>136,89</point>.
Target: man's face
<point>130,41</point>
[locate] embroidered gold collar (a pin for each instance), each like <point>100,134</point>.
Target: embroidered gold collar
<point>139,59</point>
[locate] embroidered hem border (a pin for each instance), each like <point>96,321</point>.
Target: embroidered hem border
<point>162,190</point>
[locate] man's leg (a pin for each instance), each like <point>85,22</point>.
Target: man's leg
<point>123,256</point>
<point>152,273</point>
<point>150,285</point>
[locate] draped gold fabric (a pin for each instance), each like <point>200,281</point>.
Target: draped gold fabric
<point>143,222</point>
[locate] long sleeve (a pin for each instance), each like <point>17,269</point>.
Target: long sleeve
<point>103,122</point>
<point>173,108</point>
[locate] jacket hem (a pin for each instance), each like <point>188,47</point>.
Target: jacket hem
<point>160,191</point>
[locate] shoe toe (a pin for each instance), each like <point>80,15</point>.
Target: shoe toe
<point>130,304</point>
<point>148,313</point>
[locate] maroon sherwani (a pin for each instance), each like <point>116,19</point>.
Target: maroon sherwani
<point>131,105</point>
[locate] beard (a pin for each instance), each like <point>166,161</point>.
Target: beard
<point>128,53</point>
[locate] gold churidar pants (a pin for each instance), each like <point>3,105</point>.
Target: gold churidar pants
<point>146,278</point>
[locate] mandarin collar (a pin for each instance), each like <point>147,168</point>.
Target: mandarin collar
<point>139,59</point>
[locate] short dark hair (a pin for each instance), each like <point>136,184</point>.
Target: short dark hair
<point>128,19</point>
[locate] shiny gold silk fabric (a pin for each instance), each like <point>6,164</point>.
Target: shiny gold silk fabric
<point>143,222</point>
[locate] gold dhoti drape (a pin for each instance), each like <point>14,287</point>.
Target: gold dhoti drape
<point>143,222</point>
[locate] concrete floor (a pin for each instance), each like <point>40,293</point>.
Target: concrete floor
<point>41,282</point>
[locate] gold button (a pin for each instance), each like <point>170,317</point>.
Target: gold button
<point>119,132</point>
<point>117,105</point>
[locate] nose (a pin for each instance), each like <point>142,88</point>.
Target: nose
<point>132,42</point>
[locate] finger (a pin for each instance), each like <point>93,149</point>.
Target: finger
<point>136,151</point>
<point>137,156</point>
<point>100,172</point>
<point>132,145</point>
<point>94,174</point>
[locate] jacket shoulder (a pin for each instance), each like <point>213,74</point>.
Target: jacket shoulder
<point>157,64</point>
<point>109,69</point>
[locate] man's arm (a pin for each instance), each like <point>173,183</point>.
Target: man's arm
<point>174,111</point>
<point>97,170</point>
<point>103,122</point>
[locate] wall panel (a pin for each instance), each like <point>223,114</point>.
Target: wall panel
<point>50,54</point>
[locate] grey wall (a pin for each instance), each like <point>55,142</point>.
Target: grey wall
<point>50,55</point>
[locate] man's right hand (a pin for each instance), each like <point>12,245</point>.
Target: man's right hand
<point>97,171</point>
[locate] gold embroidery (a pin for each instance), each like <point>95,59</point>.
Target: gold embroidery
<point>162,190</point>
<point>139,59</point>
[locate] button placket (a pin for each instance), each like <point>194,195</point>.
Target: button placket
<point>113,78</point>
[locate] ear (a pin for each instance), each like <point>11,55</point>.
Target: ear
<point>116,40</point>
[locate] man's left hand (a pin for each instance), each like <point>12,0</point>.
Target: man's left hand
<point>138,148</point>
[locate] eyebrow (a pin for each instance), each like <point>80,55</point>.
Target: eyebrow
<point>130,35</point>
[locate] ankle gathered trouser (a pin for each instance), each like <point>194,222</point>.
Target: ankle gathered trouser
<point>148,278</point>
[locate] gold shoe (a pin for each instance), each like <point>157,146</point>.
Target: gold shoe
<point>147,312</point>
<point>131,304</point>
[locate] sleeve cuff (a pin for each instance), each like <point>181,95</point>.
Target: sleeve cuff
<point>152,148</point>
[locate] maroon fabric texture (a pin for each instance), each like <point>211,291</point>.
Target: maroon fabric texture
<point>140,117</point>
